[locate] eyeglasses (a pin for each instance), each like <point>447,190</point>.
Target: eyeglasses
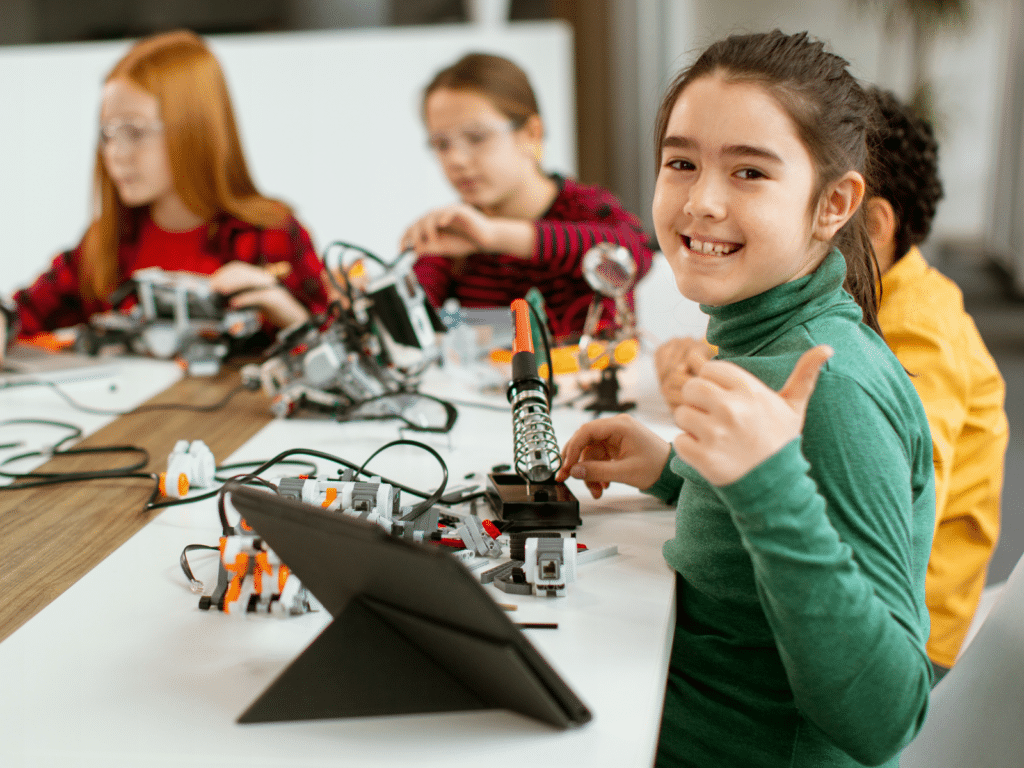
<point>128,134</point>
<point>471,138</point>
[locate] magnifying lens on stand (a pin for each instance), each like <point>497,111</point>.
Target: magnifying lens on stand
<point>611,271</point>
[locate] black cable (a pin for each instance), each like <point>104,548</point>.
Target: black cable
<point>294,334</point>
<point>209,408</point>
<point>55,478</point>
<point>175,502</point>
<point>437,494</point>
<point>192,580</point>
<point>75,430</point>
<point>347,288</point>
<point>80,477</point>
<point>225,526</point>
<point>140,409</point>
<point>358,248</point>
<point>347,413</point>
<point>309,466</point>
<point>115,472</point>
<point>22,481</point>
<point>154,504</point>
<point>542,324</point>
<point>357,468</point>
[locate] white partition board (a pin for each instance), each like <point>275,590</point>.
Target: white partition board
<point>330,123</point>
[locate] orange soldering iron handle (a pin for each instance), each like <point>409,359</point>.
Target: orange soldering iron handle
<point>524,332</point>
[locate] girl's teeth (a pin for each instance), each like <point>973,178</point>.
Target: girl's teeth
<point>701,246</point>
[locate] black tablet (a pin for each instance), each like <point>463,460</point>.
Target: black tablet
<point>413,629</point>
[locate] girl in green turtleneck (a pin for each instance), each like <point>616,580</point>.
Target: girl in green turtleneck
<point>803,474</point>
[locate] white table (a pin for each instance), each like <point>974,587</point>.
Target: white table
<point>123,669</point>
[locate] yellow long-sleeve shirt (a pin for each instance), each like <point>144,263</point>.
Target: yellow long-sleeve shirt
<point>923,318</point>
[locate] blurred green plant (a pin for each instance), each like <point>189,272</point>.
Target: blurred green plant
<point>925,20</point>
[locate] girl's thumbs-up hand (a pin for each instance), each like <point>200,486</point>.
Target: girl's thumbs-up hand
<point>732,421</point>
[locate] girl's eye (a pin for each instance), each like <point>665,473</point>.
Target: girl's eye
<point>439,144</point>
<point>680,165</point>
<point>750,173</point>
<point>475,138</point>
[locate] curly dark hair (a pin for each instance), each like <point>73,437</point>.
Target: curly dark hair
<point>903,167</point>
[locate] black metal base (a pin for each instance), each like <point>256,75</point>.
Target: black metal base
<point>522,506</point>
<point>607,393</point>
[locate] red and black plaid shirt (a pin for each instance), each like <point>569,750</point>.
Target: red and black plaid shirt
<point>55,299</point>
<point>580,217</point>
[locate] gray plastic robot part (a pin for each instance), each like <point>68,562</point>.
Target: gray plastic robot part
<point>477,539</point>
<point>499,571</point>
<point>509,587</point>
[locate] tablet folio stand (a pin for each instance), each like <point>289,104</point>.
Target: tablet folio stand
<point>413,630</point>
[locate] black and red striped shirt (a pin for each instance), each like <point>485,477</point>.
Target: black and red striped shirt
<point>580,217</point>
<point>55,299</point>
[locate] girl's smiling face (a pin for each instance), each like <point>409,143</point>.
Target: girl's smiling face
<point>732,203</point>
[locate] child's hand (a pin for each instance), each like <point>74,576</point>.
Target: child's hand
<point>238,276</point>
<point>455,230</point>
<point>335,288</point>
<point>732,421</point>
<point>246,285</point>
<point>676,362</point>
<point>613,450</point>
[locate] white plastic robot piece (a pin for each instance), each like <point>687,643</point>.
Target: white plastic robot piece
<point>189,465</point>
<point>293,598</point>
<point>372,500</point>
<point>550,565</point>
<point>252,579</point>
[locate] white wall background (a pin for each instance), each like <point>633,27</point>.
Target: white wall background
<point>329,121</point>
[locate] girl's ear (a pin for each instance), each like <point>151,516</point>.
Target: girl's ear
<point>839,202</point>
<point>532,134</point>
<point>880,218</point>
<point>533,128</point>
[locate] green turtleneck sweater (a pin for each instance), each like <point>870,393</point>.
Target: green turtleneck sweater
<point>801,620</point>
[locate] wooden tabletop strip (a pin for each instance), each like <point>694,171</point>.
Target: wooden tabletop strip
<point>52,536</point>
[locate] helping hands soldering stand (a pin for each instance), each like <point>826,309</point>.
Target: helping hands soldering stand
<point>611,271</point>
<point>530,498</point>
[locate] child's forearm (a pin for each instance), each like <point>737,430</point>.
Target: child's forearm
<point>281,308</point>
<point>515,237</point>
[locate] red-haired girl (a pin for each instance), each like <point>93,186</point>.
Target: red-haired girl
<point>173,191</point>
